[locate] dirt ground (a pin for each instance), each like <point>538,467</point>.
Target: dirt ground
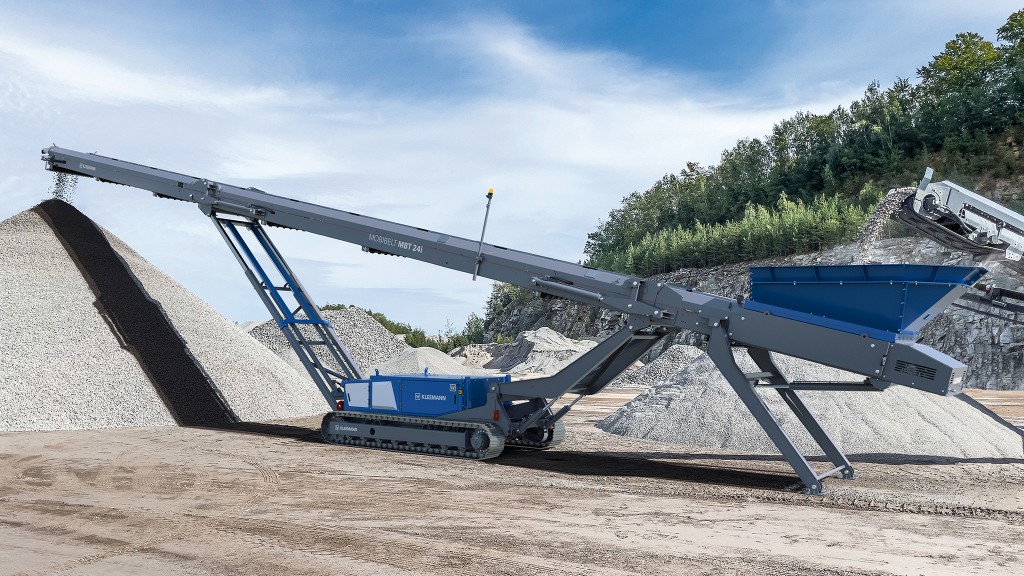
<point>272,499</point>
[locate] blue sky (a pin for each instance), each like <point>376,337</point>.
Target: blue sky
<point>409,111</point>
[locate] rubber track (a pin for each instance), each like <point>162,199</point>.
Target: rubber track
<point>140,322</point>
<point>494,448</point>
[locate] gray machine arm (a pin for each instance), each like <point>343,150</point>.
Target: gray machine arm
<point>646,303</point>
<point>652,310</point>
<point>965,220</point>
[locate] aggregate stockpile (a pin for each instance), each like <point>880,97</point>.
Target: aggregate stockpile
<point>369,343</point>
<point>541,351</point>
<point>696,407</point>
<point>97,337</point>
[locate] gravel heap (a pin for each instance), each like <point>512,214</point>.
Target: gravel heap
<point>61,366</point>
<point>257,385</point>
<point>542,351</point>
<point>415,360</point>
<point>659,371</point>
<point>74,353</point>
<point>697,407</point>
<point>366,340</point>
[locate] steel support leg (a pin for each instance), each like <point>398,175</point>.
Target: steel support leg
<point>720,351</point>
<point>764,361</point>
<point>273,296</point>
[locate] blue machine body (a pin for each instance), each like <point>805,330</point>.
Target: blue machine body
<point>419,394</point>
<point>885,301</point>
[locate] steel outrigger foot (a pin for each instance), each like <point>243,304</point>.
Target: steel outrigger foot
<point>720,351</point>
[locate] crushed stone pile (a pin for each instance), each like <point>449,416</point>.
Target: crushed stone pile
<point>542,351</point>
<point>658,371</point>
<point>97,337</point>
<point>415,360</point>
<point>61,366</point>
<point>698,408</point>
<point>366,340</point>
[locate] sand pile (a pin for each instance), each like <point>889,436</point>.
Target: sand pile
<point>658,371</point>
<point>366,340</point>
<point>542,351</point>
<point>415,360</point>
<point>96,337</point>
<point>697,407</point>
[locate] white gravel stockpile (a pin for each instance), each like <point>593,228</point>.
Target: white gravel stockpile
<point>542,351</point>
<point>366,340</point>
<point>61,368</point>
<point>256,383</point>
<point>660,370</point>
<point>697,407</point>
<point>415,360</point>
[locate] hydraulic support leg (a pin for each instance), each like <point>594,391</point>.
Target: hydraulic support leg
<point>764,361</point>
<point>720,351</point>
<point>295,328</point>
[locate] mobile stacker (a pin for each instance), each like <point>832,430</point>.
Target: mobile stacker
<point>862,319</point>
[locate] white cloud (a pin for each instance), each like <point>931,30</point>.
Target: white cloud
<point>560,134</point>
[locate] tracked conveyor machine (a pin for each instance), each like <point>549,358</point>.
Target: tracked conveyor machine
<point>965,220</point>
<point>863,319</point>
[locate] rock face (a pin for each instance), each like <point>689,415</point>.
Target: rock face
<point>564,316</point>
<point>992,347</point>
<point>542,351</point>
<point>697,407</point>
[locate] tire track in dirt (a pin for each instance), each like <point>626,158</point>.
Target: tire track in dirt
<point>377,546</point>
<point>269,481</point>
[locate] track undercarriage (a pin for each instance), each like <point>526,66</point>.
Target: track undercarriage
<point>450,438</point>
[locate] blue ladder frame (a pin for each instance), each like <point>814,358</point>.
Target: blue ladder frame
<point>304,334</point>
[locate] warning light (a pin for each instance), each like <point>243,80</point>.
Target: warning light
<point>497,416</point>
<point>339,404</point>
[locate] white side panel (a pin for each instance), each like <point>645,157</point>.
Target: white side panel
<point>384,396</point>
<point>357,394</point>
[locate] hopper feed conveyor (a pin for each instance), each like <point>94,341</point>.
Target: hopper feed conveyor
<point>859,319</point>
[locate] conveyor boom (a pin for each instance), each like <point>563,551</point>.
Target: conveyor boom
<point>652,310</point>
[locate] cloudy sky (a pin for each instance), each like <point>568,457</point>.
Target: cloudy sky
<point>410,111</point>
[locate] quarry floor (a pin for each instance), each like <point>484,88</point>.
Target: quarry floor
<point>272,499</point>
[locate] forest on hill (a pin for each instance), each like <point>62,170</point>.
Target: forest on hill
<point>813,180</point>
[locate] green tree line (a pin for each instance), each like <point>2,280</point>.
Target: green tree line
<point>799,187</point>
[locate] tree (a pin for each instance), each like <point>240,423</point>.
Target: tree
<point>957,92</point>
<point>1012,66</point>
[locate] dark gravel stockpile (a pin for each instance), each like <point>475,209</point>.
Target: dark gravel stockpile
<point>183,384</point>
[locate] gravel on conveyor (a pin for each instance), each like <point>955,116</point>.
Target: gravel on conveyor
<point>367,341</point>
<point>697,407</point>
<point>61,366</point>
<point>659,370</point>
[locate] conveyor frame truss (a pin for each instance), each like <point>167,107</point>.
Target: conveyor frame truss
<point>318,332</point>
